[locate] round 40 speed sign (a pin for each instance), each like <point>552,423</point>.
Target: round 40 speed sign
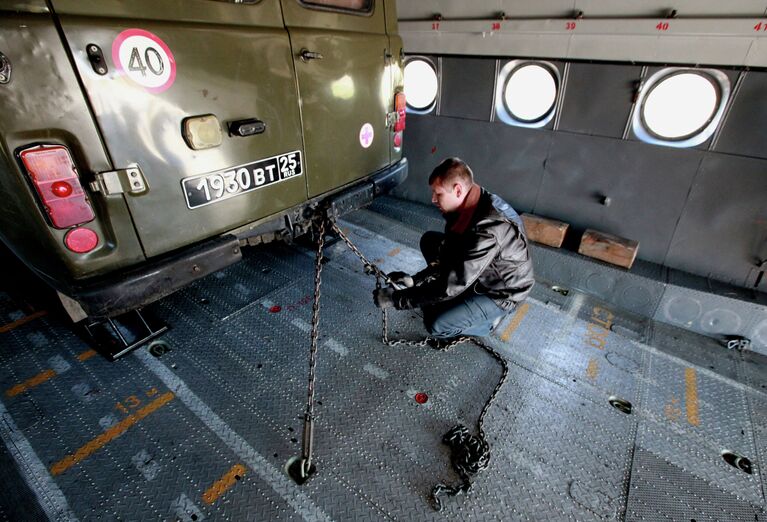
<point>145,59</point>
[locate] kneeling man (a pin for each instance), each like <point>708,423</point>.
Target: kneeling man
<point>477,271</point>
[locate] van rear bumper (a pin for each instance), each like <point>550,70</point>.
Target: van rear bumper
<point>116,294</point>
<point>155,280</point>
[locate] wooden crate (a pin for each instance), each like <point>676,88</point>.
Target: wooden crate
<point>611,249</point>
<point>546,231</point>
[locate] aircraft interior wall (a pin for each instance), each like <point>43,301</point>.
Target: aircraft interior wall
<point>699,209</point>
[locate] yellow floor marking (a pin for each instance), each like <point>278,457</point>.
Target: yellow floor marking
<point>593,370</point>
<point>514,324</point>
<point>15,324</point>
<point>43,376</point>
<point>86,355</point>
<point>112,433</point>
<point>223,484</point>
<point>691,396</point>
<point>394,252</point>
<point>31,383</point>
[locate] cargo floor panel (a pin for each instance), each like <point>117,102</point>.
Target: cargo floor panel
<point>202,426</point>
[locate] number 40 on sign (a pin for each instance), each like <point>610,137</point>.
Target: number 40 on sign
<point>145,59</point>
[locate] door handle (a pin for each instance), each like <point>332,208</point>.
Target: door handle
<point>307,55</point>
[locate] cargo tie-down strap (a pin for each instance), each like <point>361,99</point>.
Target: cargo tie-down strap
<point>470,454</point>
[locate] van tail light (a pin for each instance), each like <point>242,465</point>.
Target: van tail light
<point>399,106</point>
<point>54,175</point>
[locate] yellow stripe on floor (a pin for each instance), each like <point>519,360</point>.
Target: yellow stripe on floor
<point>31,383</point>
<point>224,483</point>
<point>86,355</point>
<point>691,396</point>
<point>593,369</point>
<point>43,376</point>
<point>112,433</point>
<point>514,324</point>
<point>15,324</point>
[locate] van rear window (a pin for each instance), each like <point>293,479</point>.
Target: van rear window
<point>363,6</point>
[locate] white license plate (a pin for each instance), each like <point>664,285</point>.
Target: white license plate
<point>224,184</point>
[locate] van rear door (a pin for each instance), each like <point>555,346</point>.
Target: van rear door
<point>341,51</point>
<point>166,61</point>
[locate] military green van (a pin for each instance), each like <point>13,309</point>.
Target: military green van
<point>144,142</point>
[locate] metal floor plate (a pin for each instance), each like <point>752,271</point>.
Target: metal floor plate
<point>201,430</point>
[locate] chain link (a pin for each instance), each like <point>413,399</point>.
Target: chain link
<point>470,454</point>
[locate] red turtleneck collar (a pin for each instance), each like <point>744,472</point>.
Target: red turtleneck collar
<point>466,210</point>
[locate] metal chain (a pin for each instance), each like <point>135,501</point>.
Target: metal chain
<point>470,454</point>
<point>308,435</point>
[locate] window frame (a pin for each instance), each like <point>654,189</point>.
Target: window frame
<point>333,9</point>
<point>435,67</point>
<point>502,110</point>
<point>642,130</point>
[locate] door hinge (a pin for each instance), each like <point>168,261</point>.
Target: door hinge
<point>125,181</point>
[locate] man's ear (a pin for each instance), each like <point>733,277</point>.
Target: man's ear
<point>458,189</point>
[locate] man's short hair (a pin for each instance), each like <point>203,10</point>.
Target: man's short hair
<point>451,171</point>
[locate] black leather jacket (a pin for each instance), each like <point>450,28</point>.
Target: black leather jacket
<point>491,257</point>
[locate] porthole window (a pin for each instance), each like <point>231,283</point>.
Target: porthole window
<point>680,107</point>
<point>421,85</point>
<point>526,93</point>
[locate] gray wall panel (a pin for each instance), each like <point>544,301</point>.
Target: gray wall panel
<point>421,150</point>
<point>506,160</point>
<point>598,98</point>
<point>723,229</point>
<point>744,132</point>
<point>647,187</point>
<point>467,87</point>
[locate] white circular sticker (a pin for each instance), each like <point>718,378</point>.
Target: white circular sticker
<point>144,58</point>
<point>366,135</point>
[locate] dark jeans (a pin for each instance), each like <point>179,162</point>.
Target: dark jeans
<point>468,314</point>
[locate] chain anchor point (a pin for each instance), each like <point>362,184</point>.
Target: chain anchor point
<point>296,470</point>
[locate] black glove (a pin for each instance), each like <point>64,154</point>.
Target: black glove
<point>401,279</point>
<point>382,297</point>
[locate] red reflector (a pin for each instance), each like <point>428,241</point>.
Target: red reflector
<point>81,240</point>
<point>51,170</point>
<point>61,189</point>
<point>274,309</point>
<point>398,139</point>
<point>399,101</point>
<point>421,398</point>
<point>399,105</point>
